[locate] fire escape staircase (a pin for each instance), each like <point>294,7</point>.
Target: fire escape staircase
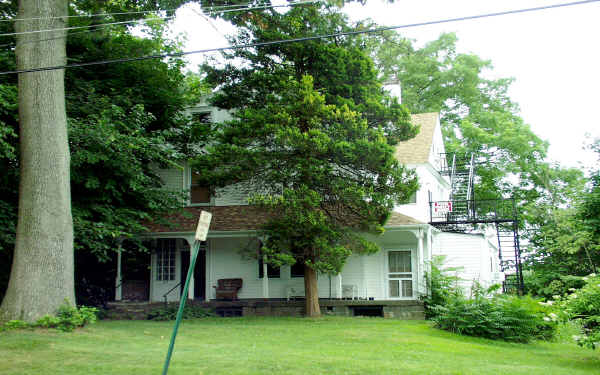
<point>462,214</point>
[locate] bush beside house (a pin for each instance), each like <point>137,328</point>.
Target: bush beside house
<point>486,314</point>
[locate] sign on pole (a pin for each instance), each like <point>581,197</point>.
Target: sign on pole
<point>203,225</point>
<point>201,232</point>
<point>442,207</point>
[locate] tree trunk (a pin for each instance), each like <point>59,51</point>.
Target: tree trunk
<point>42,270</point>
<point>311,292</point>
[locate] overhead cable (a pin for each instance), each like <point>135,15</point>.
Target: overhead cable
<point>98,26</point>
<point>209,9</point>
<point>302,39</point>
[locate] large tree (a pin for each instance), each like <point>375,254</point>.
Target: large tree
<point>121,118</point>
<point>477,117</point>
<point>312,134</point>
<point>42,272</point>
<point>566,243</point>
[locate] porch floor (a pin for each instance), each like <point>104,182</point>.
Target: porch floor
<point>399,309</point>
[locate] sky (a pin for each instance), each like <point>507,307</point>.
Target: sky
<point>552,54</point>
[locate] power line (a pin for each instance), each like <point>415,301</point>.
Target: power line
<point>87,27</point>
<point>303,39</point>
<point>211,9</point>
<point>96,27</point>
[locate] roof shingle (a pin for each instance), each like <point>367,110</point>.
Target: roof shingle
<point>416,150</point>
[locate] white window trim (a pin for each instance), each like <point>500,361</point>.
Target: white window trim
<point>414,278</point>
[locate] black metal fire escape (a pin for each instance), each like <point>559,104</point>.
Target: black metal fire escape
<point>463,213</point>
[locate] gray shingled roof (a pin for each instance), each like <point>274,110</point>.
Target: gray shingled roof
<point>397,219</point>
<point>417,149</point>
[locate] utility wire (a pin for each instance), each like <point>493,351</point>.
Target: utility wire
<point>88,26</point>
<point>215,8</point>
<point>98,26</point>
<point>303,39</point>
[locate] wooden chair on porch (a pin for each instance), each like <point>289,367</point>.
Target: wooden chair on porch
<point>228,288</point>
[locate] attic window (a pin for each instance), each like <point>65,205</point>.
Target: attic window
<point>199,192</point>
<point>202,117</point>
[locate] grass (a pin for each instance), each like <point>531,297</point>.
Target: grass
<point>331,345</point>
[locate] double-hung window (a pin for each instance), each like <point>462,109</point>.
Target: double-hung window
<point>165,259</point>
<point>400,274</point>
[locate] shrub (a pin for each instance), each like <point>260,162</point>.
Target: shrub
<point>169,312</point>
<point>67,319</point>
<point>505,317</point>
<point>442,285</point>
<point>14,324</point>
<point>583,305</point>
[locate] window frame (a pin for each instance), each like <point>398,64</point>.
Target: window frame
<point>166,259</point>
<point>402,276</point>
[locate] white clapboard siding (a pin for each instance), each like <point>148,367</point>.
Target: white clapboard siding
<point>233,195</point>
<point>172,178</point>
<point>464,251</point>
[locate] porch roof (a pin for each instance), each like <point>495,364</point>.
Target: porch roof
<point>235,218</point>
<point>224,218</point>
<point>397,219</point>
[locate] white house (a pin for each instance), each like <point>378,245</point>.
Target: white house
<point>394,273</point>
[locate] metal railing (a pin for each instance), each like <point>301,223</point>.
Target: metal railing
<point>169,292</point>
<point>479,211</point>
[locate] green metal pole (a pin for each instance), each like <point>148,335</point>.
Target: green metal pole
<point>196,247</point>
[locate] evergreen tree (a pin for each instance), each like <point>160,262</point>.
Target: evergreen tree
<point>313,133</point>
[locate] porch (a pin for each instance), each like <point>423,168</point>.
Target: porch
<point>395,309</point>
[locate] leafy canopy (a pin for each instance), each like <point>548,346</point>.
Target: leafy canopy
<point>312,134</point>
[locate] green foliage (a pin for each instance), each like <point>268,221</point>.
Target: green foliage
<point>477,116</point>
<point>67,318</point>
<point>312,135</point>
<point>169,312</point>
<point>501,317</point>
<point>567,242</point>
<point>583,305</point>
<point>14,324</point>
<point>442,284</point>
<point>551,283</point>
<point>123,118</point>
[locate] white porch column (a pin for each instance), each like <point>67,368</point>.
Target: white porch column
<point>118,279</point>
<point>265,280</point>
<point>421,261</point>
<point>338,285</point>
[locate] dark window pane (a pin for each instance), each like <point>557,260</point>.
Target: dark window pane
<point>297,269</point>
<point>199,193</point>
<point>272,272</point>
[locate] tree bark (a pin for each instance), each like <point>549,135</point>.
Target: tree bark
<point>311,292</point>
<point>42,274</point>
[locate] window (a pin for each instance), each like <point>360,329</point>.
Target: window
<point>199,193</point>
<point>201,117</point>
<point>400,274</point>
<point>272,271</point>
<point>297,269</point>
<point>165,259</point>
<point>413,198</point>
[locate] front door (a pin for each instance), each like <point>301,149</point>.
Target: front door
<point>400,274</point>
<point>199,272</point>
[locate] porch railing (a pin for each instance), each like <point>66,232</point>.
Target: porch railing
<point>169,292</point>
<point>479,211</point>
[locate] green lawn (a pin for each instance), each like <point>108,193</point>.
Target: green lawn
<point>331,345</point>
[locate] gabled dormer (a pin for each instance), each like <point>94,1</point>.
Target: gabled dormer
<point>423,153</point>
